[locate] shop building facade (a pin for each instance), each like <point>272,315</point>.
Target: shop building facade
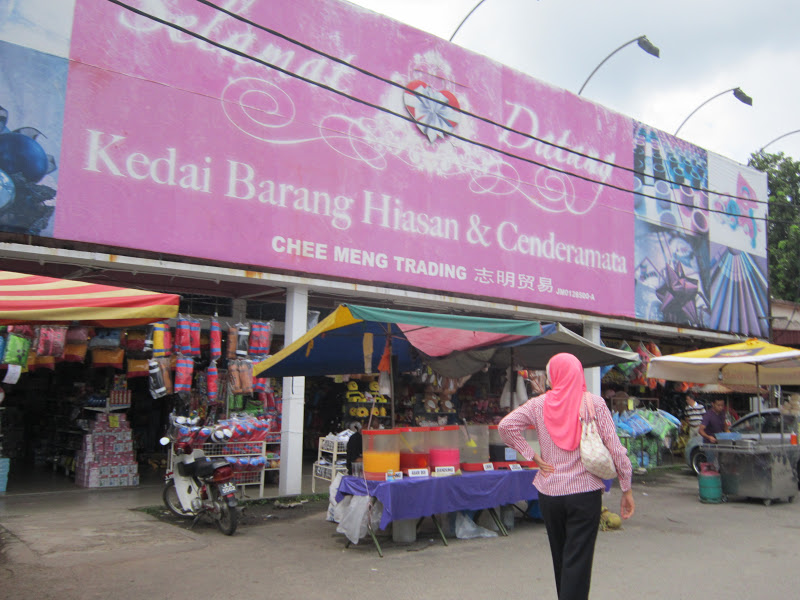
<point>308,153</point>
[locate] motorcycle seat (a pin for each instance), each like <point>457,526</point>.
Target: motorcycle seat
<point>201,467</point>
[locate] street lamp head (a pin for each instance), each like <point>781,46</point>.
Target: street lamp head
<point>742,97</point>
<point>648,46</point>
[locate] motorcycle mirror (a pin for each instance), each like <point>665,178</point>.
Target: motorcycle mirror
<point>164,441</point>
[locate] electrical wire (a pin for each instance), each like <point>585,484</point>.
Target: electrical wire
<point>458,109</point>
<point>447,133</point>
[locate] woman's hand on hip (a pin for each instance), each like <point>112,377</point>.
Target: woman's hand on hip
<point>544,467</point>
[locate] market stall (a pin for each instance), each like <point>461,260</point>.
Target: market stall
<point>747,468</point>
<point>45,320</point>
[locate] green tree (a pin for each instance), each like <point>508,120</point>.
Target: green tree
<point>783,230</point>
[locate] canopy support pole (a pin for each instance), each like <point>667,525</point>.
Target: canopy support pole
<point>591,331</point>
<point>758,390</point>
<point>294,388</point>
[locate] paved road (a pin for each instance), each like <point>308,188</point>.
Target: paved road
<point>674,548</point>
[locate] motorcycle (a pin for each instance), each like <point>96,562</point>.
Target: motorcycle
<point>197,486</point>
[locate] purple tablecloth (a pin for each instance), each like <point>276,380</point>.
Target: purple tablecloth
<point>415,497</point>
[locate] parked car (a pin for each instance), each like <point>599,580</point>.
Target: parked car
<point>747,426</point>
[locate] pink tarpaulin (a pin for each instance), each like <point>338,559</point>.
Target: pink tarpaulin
<point>435,341</point>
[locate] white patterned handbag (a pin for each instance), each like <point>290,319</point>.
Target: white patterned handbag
<point>594,455</point>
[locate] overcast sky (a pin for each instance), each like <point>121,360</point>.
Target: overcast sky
<point>707,47</point>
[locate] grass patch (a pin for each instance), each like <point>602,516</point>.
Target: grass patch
<point>288,499</point>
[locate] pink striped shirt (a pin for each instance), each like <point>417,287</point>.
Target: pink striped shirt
<point>570,476</point>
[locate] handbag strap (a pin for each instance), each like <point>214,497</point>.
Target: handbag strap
<point>588,408</point>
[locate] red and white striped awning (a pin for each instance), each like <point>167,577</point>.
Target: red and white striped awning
<point>35,299</point>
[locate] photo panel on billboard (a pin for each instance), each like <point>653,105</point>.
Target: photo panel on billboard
<point>32,91</point>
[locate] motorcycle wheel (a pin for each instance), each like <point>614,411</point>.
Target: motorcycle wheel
<point>228,517</point>
<point>171,500</point>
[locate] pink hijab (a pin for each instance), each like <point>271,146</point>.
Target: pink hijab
<point>562,404</point>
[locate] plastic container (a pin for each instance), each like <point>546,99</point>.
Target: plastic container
<point>443,446</point>
<point>474,448</point>
<point>498,451</point>
<point>381,452</point>
<point>413,448</point>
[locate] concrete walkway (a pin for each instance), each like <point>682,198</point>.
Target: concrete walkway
<point>92,546</point>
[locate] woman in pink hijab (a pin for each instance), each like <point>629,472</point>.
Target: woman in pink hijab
<point>570,498</point>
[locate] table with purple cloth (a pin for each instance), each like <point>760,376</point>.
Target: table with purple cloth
<point>417,497</point>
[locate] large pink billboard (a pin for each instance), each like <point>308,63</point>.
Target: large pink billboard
<point>317,137</point>
<point>428,166</point>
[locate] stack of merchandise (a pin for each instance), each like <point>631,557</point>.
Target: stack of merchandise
<point>106,457</point>
<point>645,434</point>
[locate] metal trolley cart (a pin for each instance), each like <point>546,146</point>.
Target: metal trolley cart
<point>753,470</point>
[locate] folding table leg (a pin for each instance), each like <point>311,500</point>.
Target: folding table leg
<point>498,522</point>
<point>375,539</point>
<point>439,529</point>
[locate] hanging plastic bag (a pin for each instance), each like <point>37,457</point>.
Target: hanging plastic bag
<point>137,368</point>
<point>505,395</point>
<point>245,376</point>
<point>182,343</point>
<point>385,384</point>
<point>106,338</point>
<point>215,340</point>
<point>166,366</point>
<point>50,340</point>
<point>260,338</point>
<point>212,381</point>
<point>26,331</point>
<point>158,339</point>
<point>135,340</point>
<point>194,337</point>
<point>108,357</point>
<point>75,352</point>
<point>520,393</point>
<point>184,367</point>
<point>77,335</point>
<point>17,349</point>
<point>156,383</point>
<point>242,339</point>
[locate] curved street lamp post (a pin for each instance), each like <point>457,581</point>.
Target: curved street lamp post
<point>474,8</point>
<point>780,137</point>
<point>738,94</point>
<point>642,42</point>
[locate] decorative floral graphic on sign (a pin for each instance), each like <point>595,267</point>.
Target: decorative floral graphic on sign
<point>431,107</point>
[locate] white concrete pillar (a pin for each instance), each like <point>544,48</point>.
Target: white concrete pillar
<point>294,388</point>
<point>591,331</point>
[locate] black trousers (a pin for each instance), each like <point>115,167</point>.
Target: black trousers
<point>572,522</point>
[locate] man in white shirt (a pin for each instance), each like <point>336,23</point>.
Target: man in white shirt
<point>693,414</point>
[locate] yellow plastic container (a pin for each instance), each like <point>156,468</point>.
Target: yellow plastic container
<point>381,452</point>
